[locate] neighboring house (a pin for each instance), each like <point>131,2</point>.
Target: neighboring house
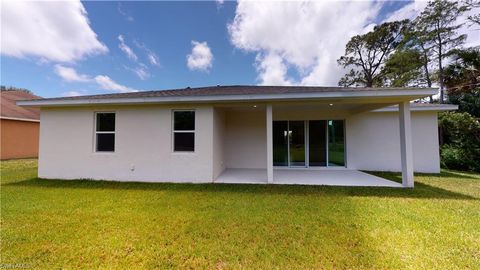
<point>19,126</point>
<point>248,134</point>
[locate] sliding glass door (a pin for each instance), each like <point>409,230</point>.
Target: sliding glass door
<point>314,143</point>
<point>317,148</point>
<point>336,143</point>
<point>280,143</point>
<point>297,143</point>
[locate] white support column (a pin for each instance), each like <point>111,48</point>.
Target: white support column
<point>406,150</point>
<point>269,144</point>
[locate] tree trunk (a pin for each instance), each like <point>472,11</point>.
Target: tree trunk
<point>425,67</point>
<point>368,80</point>
<point>440,78</point>
<point>440,68</point>
<point>427,75</point>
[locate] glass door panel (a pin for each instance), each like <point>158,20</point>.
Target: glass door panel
<point>297,143</point>
<point>317,148</point>
<point>280,143</point>
<point>336,143</point>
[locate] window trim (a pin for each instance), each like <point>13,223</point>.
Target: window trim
<point>95,132</point>
<point>194,131</point>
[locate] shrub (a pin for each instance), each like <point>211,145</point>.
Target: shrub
<point>461,141</point>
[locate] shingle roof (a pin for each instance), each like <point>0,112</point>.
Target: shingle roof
<point>226,90</point>
<point>10,109</point>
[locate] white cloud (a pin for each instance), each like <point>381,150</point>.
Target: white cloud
<point>153,59</point>
<point>413,9</point>
<point>71,94</point>
<point>306,37</point>
<point>272,70</point>
<point>70,75</point>
<point>151,56</point>
<point>122,12</point>
<point>55,31</point>
<point>409,11</point>
<point>219,3</point>
<point>141,71</point>
<point>106,83</point>
<point>126,49</point>
<point>103,81</point>
<point>201,56</point>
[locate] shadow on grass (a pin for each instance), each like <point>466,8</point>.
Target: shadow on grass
<point>421,191</point>
<point>397,177</point>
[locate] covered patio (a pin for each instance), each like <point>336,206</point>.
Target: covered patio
<point>326,177</point>
<point>304,152</point>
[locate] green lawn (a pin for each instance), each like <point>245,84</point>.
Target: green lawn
<point>87,224</point>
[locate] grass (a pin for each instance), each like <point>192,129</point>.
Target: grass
<point>89,224</point>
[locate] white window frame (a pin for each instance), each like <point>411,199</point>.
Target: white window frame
<point>95,132</point>
<point>184,131</point>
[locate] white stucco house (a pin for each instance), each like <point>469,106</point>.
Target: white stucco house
<point>241,134</point>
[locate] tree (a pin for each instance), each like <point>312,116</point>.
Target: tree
<point>404,68</point>
<point>13,88</point>
<point>462,79</point>
<point>475,5</point>
<point>461,141</point>
<point>417,39</point>
<point>410,64</point>
<point>438,28</point>
<point>367,53</point>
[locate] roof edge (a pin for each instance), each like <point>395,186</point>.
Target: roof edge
<point>433,107</point>
<point>19,119</point>
<point>418,93</point>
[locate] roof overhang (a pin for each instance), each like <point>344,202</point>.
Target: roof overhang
<point>19,119</point>
<point>429,108</point>
<point>371,95</point>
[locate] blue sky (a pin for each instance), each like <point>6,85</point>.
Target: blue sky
<point>59,54</point>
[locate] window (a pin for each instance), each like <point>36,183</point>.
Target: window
<point>184,131</point>
<point>104,132</point>
<point>336,143</point>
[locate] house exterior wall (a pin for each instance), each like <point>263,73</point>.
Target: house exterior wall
<point>143,146</point>
<point>224,138</point>
<point>246,139</point>
<point>373,142</point>
<point>218,142</point>
<point>19,139</point>
<point>372,139</point>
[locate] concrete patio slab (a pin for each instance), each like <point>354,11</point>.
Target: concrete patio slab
<point>334,177</point>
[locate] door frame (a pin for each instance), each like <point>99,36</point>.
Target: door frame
<point>306,126</point>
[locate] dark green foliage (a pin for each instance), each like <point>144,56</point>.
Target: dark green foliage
<point>460,133</point>
<point>12,88</point>
<point>462,77</point>
<point>403,68</point>
<point>463,74</point>
<point>437,26</point>
<point>467,102</point>
<point>365,54</point>
<point>413,56</point>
